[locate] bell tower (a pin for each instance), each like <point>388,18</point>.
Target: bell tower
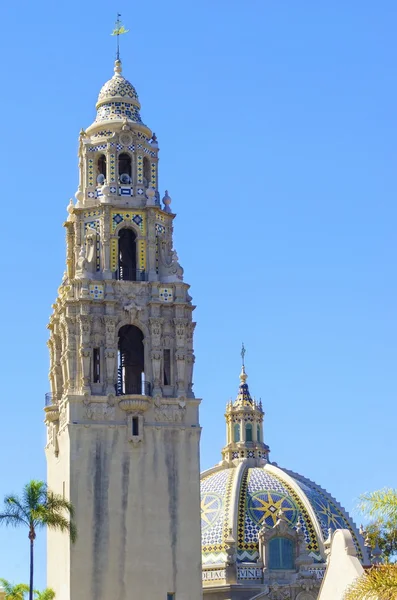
<point>122,418</point>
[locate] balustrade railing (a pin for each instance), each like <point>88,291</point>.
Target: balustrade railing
<point>49,399</point>
<point>127,274</point>
<point>133,388</point>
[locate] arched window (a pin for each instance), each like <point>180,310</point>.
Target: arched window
<point>248,432</point>
<point>236,432</point>
<point>131,362</point>
<point>127,255</point>
<point>146,172</point>
<point>101,169</point>
<point>258,433</point>
<point>125,168</point>
<point>281,553</point>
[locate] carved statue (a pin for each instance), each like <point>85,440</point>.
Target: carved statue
<point>169,259</point>
<point>86,263</point>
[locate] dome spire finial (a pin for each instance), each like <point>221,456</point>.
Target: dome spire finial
<point>243,374</point>
<point>118,30</point>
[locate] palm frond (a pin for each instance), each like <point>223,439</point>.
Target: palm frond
<point>380,505</point>
<point>379,583</point>
<point>14,592</point>
<point>34,493</point>
<point>6,585</point>
<point>59,522</point>
<point>14,504</point>
<point>12,519</point>
<point>47,594</point>
<point>56,502</point>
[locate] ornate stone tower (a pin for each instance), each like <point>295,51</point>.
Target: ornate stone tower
<point>122,419</point>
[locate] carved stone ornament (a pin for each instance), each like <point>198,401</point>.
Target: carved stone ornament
<point>99,411</point>
<point>125,138</point>
<point>169,413</point>
<point>280,592</point>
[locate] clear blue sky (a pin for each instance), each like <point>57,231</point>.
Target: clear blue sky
<point>277,127</point>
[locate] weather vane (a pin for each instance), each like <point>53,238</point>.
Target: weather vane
<point>117,31</point>
<point>243,351</point>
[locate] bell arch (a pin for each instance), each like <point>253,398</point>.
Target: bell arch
<point>125,168</point>
<point>131,362</point>
<point>101,168</point>
<point>127,255</point>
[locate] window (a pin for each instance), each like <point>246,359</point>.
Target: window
<point>127,255</point>
<point>96,363</point>
<point>167,367</point>
<point>171,596</point>
<point>236,432</point>
<point>125,168</point>
<point>248,432</point>
<point>258,433</point>
<point>135,426</point>
<point>281,553</point>
<point>146,172</point>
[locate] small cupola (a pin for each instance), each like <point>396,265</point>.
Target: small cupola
<point>244,426</point>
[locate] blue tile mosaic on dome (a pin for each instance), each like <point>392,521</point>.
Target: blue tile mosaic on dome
<point>118,110</point>
<point>117,86</point>
<point>213,490</point>
<point>262,495</point>
<point>215,501</point>
<point>327,513</point>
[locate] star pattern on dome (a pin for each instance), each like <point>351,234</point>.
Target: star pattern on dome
<point>211,505</point>
<point>333,519</point>
<point>264,506</point>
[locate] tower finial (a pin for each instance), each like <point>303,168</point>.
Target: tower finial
<point>117,31</point>
<point>243,351</point>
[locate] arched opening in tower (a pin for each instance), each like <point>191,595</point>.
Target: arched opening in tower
<point>131,361</point>
<point>127,270</point>
<point>101,168</point>
<point>125,168</point>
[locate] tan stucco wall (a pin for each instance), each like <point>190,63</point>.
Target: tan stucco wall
<point>137,514</point>
<point>343,567</point>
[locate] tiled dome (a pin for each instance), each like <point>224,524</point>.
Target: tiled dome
<point>117,88</point>
<point>257,494</point>
<point>118,99</point>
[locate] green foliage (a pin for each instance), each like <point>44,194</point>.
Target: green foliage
<point>38,507</point>
<point>47,594</point>
<point>379,583</point>
<point>14,592</point>
<point>380,505</point>
<point>385,535</point>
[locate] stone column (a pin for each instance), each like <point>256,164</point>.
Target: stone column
<point>180,370</point>
<point>105,236</point>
